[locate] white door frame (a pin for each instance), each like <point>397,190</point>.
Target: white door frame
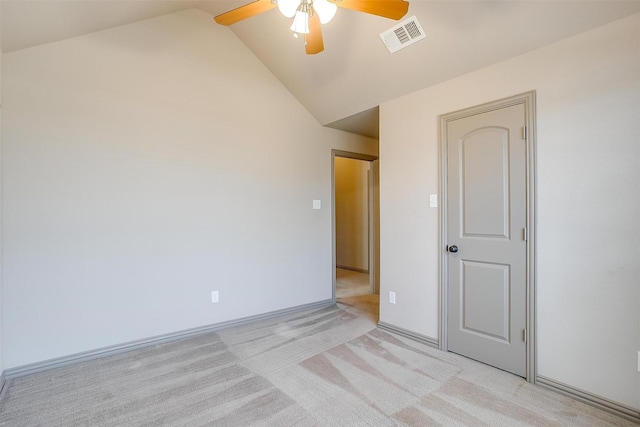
<point>373,236</point>
<point>528,99</point>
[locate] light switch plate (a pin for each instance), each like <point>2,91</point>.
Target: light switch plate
<point>433,200</point>
<point>317,204</point>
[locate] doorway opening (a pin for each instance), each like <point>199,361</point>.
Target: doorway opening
<point>355,228</point>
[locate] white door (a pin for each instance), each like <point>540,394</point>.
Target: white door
<point>485,237</point>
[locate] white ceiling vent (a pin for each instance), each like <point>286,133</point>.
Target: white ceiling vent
<point>402,35</point>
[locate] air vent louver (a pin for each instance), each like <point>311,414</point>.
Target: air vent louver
<point>402,35</point>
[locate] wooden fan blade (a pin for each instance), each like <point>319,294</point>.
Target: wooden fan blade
<point>313,40</point>
<point>393,9</point>
<point>244,12</point>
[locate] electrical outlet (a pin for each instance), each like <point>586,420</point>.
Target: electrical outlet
<point>215,297</point>
<point>392,297</point>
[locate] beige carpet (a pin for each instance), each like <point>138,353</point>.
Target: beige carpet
<point>324,367</point>
<point>351,283</point>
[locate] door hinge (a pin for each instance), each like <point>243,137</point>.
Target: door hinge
<point>525,234</point>
<point>524,133</point>
<point>524,335</point>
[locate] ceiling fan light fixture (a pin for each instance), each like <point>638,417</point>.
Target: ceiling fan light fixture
<point>325,10</point>
<point>288,7</point>
<point>309,15</point>
<point>300,23</point>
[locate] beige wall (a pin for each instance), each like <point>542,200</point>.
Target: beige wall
<point>140,175</point>
<point>588,204</point>
<point>352,213</point>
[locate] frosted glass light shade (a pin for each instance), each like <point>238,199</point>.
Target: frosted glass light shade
<point>325,10</point>
<point>288,7</point>
<point>300,23</point>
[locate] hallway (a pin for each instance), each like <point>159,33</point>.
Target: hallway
<point>353,292</point>
<point>351,283</point>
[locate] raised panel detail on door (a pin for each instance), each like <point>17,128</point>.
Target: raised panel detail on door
<point>485,197</point>
<point>484,304</point>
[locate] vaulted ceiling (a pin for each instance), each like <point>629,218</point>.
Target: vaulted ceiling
<point>343,86</point>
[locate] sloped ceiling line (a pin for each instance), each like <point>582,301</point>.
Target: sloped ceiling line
<point>343,86</point>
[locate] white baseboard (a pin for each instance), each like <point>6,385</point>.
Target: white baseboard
<point>146,342</point>
<point>431,342</point>
<point>590,399</point>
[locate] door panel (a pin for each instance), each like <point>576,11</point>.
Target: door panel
<point>485,197</point>
<point>486,208</point>
<point>485,299</point>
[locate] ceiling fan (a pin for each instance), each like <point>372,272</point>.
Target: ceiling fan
<point>308,15</point>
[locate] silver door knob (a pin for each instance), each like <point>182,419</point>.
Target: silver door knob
<point>453,249</point>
